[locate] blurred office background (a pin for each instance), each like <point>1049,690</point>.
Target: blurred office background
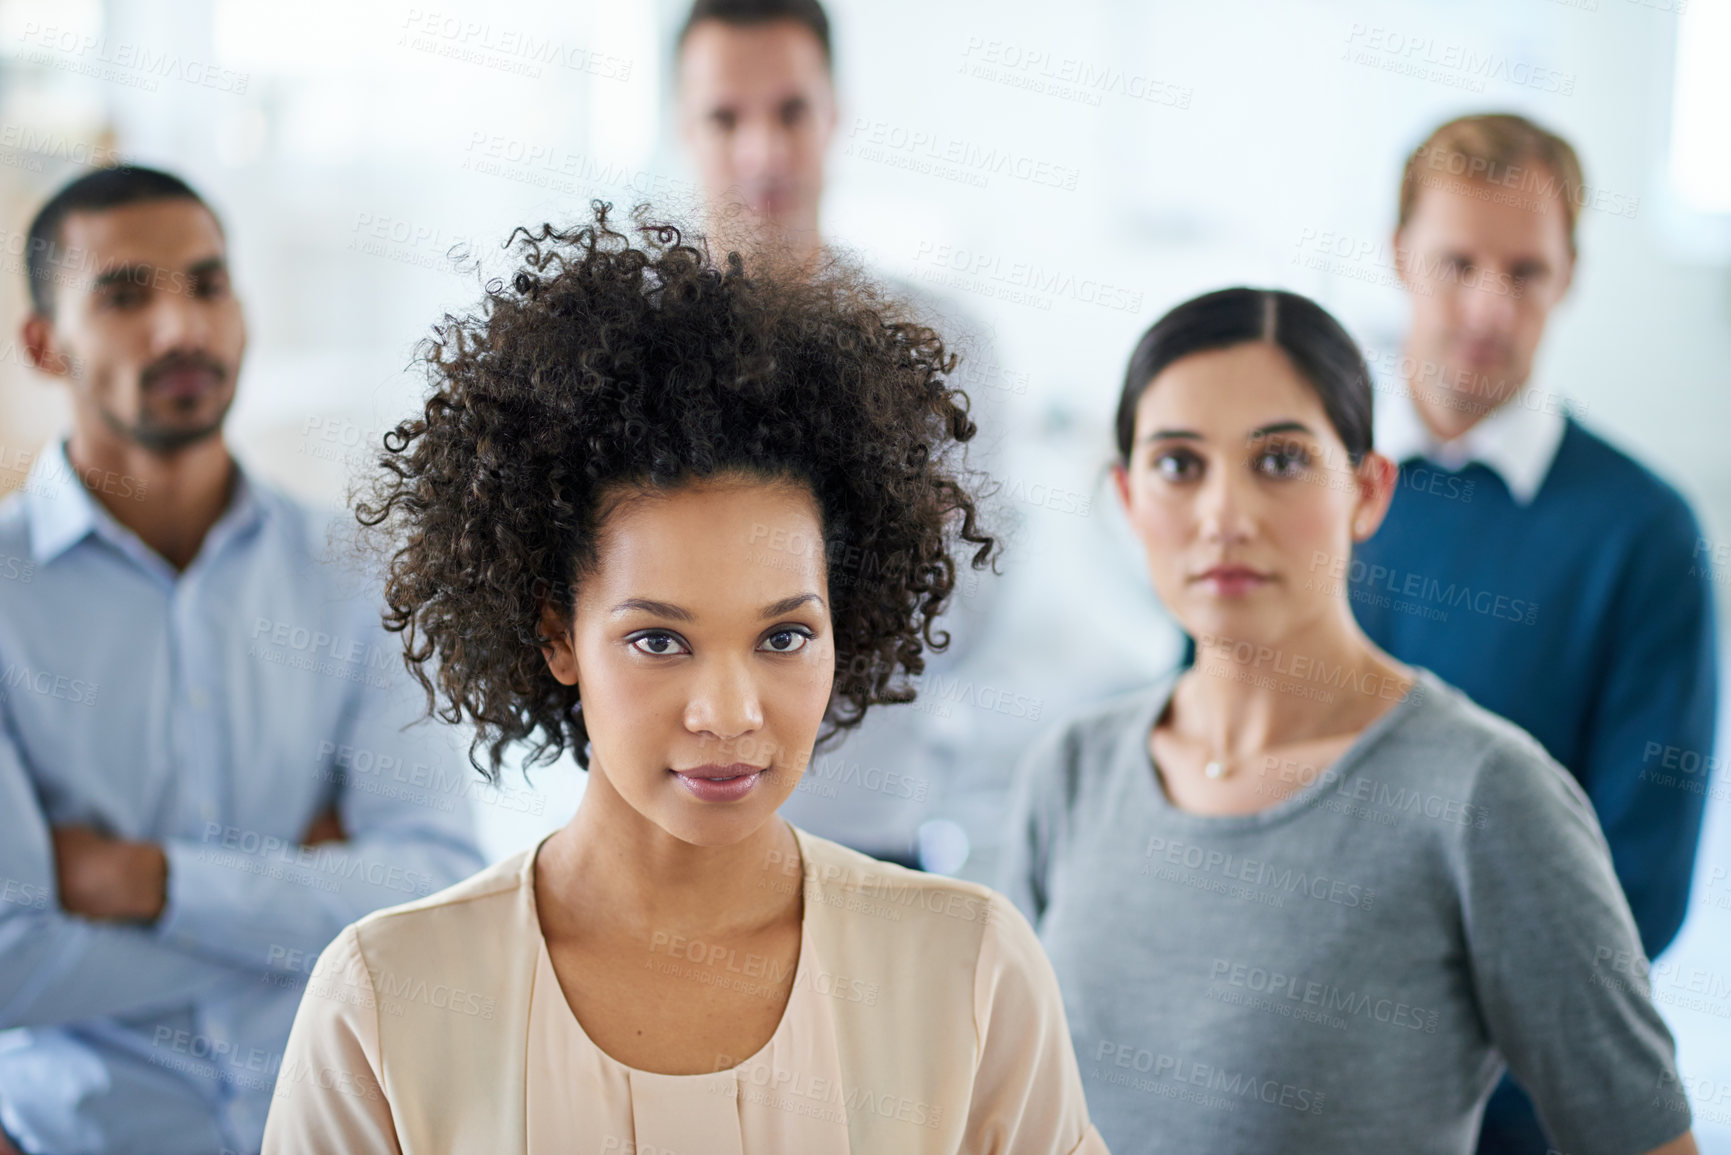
<point>1064,173</point>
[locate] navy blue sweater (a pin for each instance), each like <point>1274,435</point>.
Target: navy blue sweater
<point>1585,617</point>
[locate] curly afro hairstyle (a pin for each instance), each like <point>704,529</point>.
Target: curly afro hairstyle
<point>615,363</point>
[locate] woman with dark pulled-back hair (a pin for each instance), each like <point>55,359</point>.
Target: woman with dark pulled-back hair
<point>1301,898</point>
<point>612,532</point>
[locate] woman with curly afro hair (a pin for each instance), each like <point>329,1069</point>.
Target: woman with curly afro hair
<point>686,521</point>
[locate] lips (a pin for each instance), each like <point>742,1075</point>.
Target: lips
<point>1232,580</point>
<point>1482,352</point>
<point>715,773</point>
<point>714,783</point>
<point>184,382</point>
<point>183,375</point>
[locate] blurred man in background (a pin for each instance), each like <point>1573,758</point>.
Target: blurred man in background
<point>203,769</point>
<point>757,112</point>
<point>1525,559</point>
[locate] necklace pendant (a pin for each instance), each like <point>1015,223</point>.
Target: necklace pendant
<point>1214,770</point>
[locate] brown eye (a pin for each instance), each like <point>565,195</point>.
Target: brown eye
<point>1177,465</point>
<point>1282,461</point>
<point>658,644</point>
<point>787,641</point>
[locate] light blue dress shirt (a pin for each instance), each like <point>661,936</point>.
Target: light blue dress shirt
<point>215,711</point>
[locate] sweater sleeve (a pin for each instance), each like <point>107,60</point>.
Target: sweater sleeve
<point>1556,963</point>
<point>1650,732</point>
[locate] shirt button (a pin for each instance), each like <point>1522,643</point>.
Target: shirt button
<point>199,699</point>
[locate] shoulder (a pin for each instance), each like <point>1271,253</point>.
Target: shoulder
<point>913,921</point>
<point>17,561</point>
<point>1503,773</point>
<point>15,512</point>
<point>319,545</point>
<point>485,904</point>
<point>1086,742</point>
<point>13,522</point>
<point>1628,485</point>
<point>306,530</point>
<point>895,907</point>
<point>931,307</point>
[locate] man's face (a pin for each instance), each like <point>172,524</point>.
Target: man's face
<point>145,327</point>
<point>757,111</point>
<point>1484,266</point>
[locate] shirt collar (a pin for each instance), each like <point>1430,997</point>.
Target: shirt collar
<point>1518,440</point>
<point>61,512</point>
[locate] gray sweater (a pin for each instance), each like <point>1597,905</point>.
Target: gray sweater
<point>1350,968</point>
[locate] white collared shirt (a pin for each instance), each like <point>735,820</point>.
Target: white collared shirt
<point>1518,440</point>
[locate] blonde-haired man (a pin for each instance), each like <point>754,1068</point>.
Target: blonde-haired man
<point>1525,559</point>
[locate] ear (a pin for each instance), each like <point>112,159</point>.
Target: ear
<point>557,644</point>
<point>832,114</point>
<point>1121,484</point>
<point>1401,263</point>
<point>1568,277</point>
<point>40,349</point>
<point>1376,476</point>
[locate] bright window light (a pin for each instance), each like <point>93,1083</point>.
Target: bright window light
<point>1701,125</point>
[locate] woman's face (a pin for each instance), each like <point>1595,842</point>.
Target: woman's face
<point>1244,498</point>
<point>702,650</point>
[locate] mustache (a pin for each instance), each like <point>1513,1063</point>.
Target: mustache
<point>180,362</point>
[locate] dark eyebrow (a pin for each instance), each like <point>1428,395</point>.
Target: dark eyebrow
<point>1170,434</point>
<point>1254,434</point>
<point>788,605</point>
<point>1280,427</point>
<point>138,274</point>
<point>143,274</point>
<point>659,609</point>
<point>679,614</point>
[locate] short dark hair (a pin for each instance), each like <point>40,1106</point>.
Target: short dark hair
<point>1321,350</point>
<point>616,361</point>
<point>106,188</point>
<point>744,13</point>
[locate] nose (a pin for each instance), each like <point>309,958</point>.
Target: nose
<point>759,149</point>
<point>180,321</point>
<point>725,703</point>
<point>1489,306</point>
<point>1223,516</point>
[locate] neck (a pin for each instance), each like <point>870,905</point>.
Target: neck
<point>620,872</point>
<point>1321,680</point>
<point>791,249</point>
<point>1440,406</point>
<point>170,500</point>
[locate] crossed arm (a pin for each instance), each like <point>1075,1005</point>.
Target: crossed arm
<point>103,877</point>
<point>94,926</point>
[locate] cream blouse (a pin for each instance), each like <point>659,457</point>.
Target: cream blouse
<point>924,1018</point>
